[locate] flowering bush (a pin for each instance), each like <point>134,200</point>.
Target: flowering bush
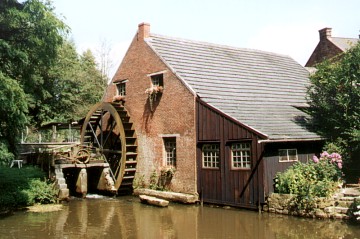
<point>332,158</point>
<point>329,164</point>
<point>318,178</point>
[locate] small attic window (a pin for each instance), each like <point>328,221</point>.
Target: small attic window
<point>157,80</point>
<point>121,88</point>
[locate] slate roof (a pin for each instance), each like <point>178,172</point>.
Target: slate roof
<point>344,43</point>
<point>259,89</point>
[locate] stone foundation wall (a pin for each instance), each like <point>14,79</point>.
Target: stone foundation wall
<point>336,207</point>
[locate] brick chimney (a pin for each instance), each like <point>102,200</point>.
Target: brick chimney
<point>325,33</point>
<point>144,30</point>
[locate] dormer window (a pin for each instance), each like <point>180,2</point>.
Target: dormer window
<point>121,88</point>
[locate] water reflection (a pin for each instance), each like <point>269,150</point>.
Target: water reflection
<point>125,217</point>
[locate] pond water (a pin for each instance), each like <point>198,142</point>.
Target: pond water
<point>126,217</point>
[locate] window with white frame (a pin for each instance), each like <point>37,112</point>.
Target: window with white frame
<point>170,151</point>
<point>288,155</point>
<point>121,88</point>
<point>241,155</point>
<point>211,156</point>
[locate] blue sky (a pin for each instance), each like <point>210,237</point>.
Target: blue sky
<point>282,26</point>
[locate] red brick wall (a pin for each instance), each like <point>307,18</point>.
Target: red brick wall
<point>173,114</point>
<point>324,50</point>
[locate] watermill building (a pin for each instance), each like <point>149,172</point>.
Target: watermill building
<point>225,118</point>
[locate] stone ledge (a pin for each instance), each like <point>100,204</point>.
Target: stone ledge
<point>333,208</point>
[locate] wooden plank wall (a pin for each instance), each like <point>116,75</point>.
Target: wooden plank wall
<point>305,151</point>
<point>226,186</point>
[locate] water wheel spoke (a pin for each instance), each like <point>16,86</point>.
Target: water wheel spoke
<point>108,135</point>
<point>94,134</point>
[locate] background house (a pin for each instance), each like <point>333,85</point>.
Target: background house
<point>228,119</point>
<point>329,46</point>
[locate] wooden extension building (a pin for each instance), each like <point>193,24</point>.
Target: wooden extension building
<point>227,119</point>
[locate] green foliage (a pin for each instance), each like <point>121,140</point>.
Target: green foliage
<point>334,99</point>
<point>338,145</point>
<point>166,175</point>
<point>42,77</point>
<point>310,181</point>
<point>161,182</point>
<point>13,108</point>
<point>139,182</point>
<point>153,180</point>
<point>30,35</point>
<point>76,86</point>
<point>40,192</point>
<point>92,84</point>
<point>5,156</point>
<point>16,187</point>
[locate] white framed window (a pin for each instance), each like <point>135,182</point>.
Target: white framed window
<point>170,151</point>
<point>211,156</point>
<point>241,155</point>
<point>121,88</point>
<point>288,155</point>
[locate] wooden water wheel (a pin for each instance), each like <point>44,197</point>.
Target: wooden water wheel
<point>107,130</point>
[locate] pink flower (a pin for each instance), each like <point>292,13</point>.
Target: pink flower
<point>324,155</point>
<point>315,159</point>
<point>335,155</point>
<point>339,165</point>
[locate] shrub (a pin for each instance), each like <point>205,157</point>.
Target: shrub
<point>5,155</point>
<point>139,182</point>
<point>23,187</point>
<point>40,192</point>
<point>308,181</point>
<point>153,181</point>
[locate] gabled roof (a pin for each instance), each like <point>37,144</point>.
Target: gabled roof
<point>259,89</point>
<point>344,43</point>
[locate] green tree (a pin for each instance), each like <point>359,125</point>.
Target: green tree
<point>43,78</point>
<point>334,99</point>
<point>30,36</point>
<point>13,108</point>
<point>77,85</point>
<point>93,83</point>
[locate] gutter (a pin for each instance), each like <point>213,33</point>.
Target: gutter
<point>265,141</point>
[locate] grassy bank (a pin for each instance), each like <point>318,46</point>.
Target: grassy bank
<point>24,187</point>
